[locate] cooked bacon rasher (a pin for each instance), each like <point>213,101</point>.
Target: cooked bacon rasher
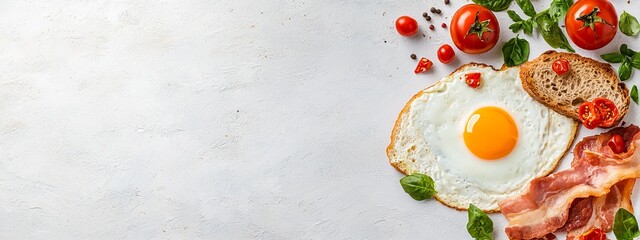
<point>547,205</point>
<point>600,211</point>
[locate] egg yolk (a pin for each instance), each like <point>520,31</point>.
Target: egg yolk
<point>490,133</point>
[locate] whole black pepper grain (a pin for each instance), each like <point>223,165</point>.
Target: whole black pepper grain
<point>444,25</point>
<point>428,18</point>
<point>446,2</point>
<point>438,11</point>
<point>433,10</point>
<point>425,14</point>
<point>413,56</point>
<point>432,27</point>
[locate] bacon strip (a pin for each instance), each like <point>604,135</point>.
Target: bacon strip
<point>603,209</point>
<point>544,207</point>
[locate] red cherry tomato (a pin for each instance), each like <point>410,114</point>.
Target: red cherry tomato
<point>406,26</point>
<point>472,79</point>
<point>591,24</point>
<point>589,115</point>
<point>561,66</point>
<point>423,65</point>
<point>446,54</point>
<point>474,29</point>
<point>616,143</point>
<point>594,234</point>
<point>608,111</point>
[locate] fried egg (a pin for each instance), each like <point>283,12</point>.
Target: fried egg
<point>480,145</point>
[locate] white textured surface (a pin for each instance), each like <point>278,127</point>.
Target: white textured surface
<point>216,119</point>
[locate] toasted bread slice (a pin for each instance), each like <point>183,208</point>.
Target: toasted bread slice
<point>587,80</point>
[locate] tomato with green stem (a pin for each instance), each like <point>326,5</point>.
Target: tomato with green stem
<point>474,29</point>
<point>591,24</point>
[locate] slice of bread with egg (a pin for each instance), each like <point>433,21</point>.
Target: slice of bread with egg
<point>586,80</point>
<point>480,145</point>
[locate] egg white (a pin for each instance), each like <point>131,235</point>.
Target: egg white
<point>430,138</point>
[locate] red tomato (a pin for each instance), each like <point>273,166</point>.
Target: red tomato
<point>446,53</point>
<point>561,66</point>
<point>423,65</point>
<point>474,29</point>
<point>616,143</point>
<point>472,79</point>
<point>589,115</point>
<point>594,234</point>
<point>406,26</point>
<point>592,24</point>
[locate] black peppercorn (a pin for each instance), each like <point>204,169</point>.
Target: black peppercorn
<point>428,18</point>
<point>424,14</point>
<point>438,11</point>
<point>413,56</point>
<point>433,10</point>
<point>446,2</point>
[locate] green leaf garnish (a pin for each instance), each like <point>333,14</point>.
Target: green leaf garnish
<point>480,225</point>
<point>551,32</point>
<point>520,24</point>
<point>418,186</point>
<point>558,9</point>
<point>625,70</point>
<point>613,57</point>
<point>515,52</point>
<point>634,94</point>
<point>527,7</point>
<point>494,5</point>
<point>625,225</point>
<point>629,24</point>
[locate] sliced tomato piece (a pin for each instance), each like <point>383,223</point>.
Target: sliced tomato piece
<point>616,143</point>
<point>472,79</point>
<point>594,234</point>
<point>561,66</point>
<point>423,65</point>
<point>589,115</point>
<point>608,111</point>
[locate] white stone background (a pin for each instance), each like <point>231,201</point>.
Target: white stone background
<point>195,119</point>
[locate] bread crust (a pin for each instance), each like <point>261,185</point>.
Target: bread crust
<point>531,85</point>
<point>400,167</point>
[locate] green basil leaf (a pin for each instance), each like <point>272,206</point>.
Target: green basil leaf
<point>625,226</point>
<point>551,33</point>
<point>629,24</point>
<point>624,49</point>
<point>625,70</point>
<point>613,57</point>
<point>527,7</point>
<point>418,186</point>
<point>514,16</point>
<point>494,5</point>
<point>515,52</point>
<point>480,225</point>
<point>520,24</point>
<point>559,8</point>
<point>634,94</point>
<point>527,26</point>
<point>635,60</point>
<point>516,27</point>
